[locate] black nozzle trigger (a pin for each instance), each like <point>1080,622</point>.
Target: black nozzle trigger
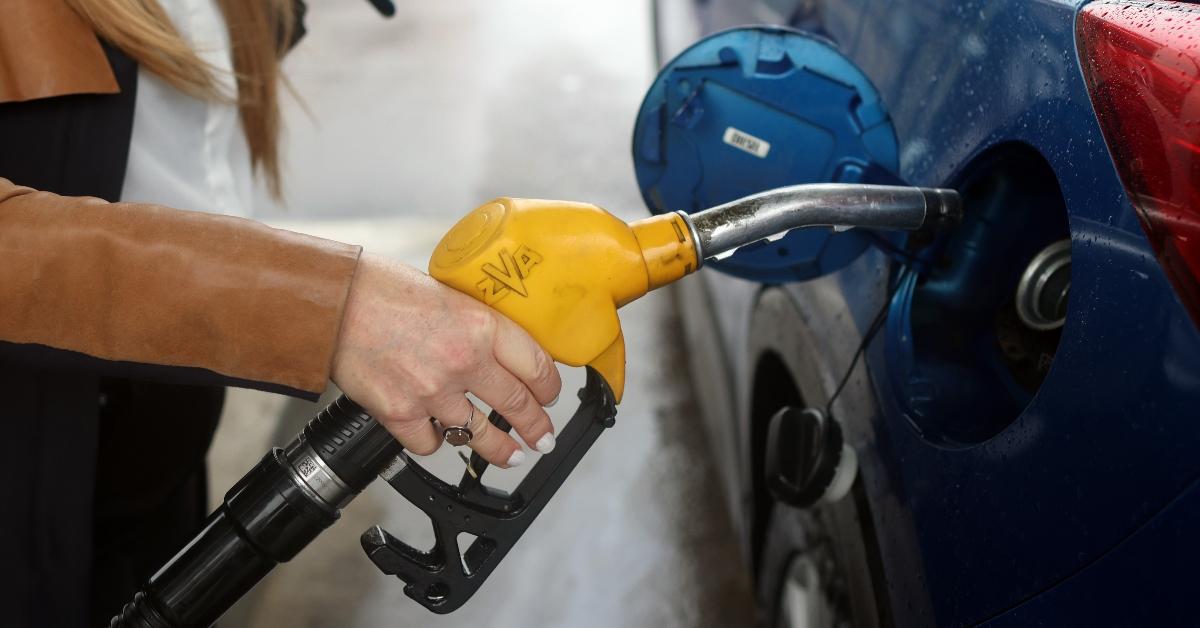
<point>444,577</point>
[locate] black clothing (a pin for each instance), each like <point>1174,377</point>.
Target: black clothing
<point>72,145</point>
<point>104,477</point>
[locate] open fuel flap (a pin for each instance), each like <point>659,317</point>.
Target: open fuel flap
<point>756,108</point>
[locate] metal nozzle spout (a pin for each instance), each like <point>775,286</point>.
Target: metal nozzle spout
<point>721,230</point>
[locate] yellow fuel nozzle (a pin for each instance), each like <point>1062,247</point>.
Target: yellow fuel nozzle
<point>560,270</point>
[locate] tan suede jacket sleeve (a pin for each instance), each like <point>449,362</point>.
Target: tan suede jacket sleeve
<point>152,285</point>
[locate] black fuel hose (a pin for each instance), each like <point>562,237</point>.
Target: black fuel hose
<point>271,514</point>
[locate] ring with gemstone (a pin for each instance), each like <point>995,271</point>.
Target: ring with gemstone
<point>459,435</point>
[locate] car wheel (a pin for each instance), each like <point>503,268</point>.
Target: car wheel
<point>800,584</point>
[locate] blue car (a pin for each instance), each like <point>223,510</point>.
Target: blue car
<point>1022,395</point>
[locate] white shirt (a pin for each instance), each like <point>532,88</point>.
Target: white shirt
<point>185,152</point>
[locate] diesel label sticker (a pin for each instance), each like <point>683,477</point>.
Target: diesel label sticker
<point>743,140</point>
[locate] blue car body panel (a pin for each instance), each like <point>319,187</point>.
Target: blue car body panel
<point>1087,481</point>
<point>1144,581</point>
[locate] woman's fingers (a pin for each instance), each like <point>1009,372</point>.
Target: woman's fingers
<point>508,395</point>
<point>418,436</point>
<point>409,347</point>
<point>521,356</point>
<point>488,441</point>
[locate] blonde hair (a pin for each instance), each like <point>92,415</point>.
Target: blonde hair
<point>259,31</point>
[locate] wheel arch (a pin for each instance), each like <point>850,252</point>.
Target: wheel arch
<point>797,351</point>
<point>784,373</point>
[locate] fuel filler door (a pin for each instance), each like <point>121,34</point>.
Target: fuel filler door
<point>755,108</point>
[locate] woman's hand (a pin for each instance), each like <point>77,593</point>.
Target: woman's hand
<point>410,348</point>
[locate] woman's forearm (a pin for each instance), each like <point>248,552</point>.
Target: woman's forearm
<point>152,285</point>
<point>132,284</point>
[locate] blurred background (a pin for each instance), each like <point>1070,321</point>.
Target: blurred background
<point>401,127</point>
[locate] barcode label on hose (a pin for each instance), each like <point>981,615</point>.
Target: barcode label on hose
<point>306,467</point>
<point>740,139</point>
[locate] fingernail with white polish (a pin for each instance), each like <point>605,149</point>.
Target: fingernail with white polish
<point>554,401</point>
<point>545,444</point>
<point>516,458</point>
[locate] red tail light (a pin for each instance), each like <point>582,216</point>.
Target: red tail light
<point>1141,61</point>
